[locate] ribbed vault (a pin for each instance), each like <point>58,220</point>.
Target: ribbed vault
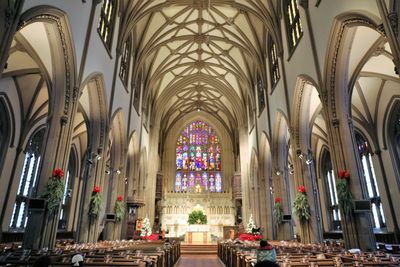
<point>221,42</point>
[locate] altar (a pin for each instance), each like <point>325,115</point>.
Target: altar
<point>175,208</point>
<point>198,234</point>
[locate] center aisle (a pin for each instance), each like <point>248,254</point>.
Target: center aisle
<point>199,261</point>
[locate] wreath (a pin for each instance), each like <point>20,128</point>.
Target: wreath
<point>95,202</point>
<point>301,208</point>
<point>55,191</point>
<point>119,208</point>
<point>345,198</point>
<point>278,210</point>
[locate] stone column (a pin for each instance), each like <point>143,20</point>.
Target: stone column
<point>307,229</point>
<point>357,227</point>
<point>244,170</point>
<point>280,189</point>
<point>10,12</point>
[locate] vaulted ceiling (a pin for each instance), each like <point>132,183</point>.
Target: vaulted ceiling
<point>199,55</point>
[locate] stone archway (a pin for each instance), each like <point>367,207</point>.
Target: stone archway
<point>305,104</point>
<point>283,185</point>
<point>266,198</point>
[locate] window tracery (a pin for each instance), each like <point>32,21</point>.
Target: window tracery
<point>198,159</point>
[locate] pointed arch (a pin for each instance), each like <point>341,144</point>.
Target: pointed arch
<point>305,103</point>
<point>63,60</point>
<point>93,101</point>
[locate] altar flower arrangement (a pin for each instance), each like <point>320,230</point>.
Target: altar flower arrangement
<point>119,208</point>
<point>278,210</point>
<point>95,202</point>
<point>197,216</point>
<point>301,208</point>
<point>345,198</point>
<point>55,190</point>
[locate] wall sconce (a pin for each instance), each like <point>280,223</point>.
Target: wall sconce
<point>290,168</point>
<point>94,156</point>
<point>278,172</point>
<point>309,161</point>
<point>300,154</point>
<point>117,171</point>
<point>271,190</point>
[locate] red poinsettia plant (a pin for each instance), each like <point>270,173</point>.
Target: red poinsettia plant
<point>55,190</point>
<point>250,237</point>
<point>58,173</point>
<point>301,189</point>
<point>278,210</point>
<point>95,202</point>
<point>96,189</point>
<point>301,208</point>
<point>345,198</point>
<point>344,174</point>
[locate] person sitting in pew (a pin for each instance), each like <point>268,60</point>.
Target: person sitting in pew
<point>77,260</point>
<point>266,255</point>
<point>43,261</point>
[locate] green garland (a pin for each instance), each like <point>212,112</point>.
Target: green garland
<point>344,196</point>
<point>95,204</point>
<point>197,217</point>
<point>119,210</point>
<point>301,208</point>
<point>278,213</point>
<point>54,193</point>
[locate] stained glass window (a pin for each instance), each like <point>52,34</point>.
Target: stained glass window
<point>106,23</point>
<point>273,61</point>
<point>293,23</point>
<point>198,159</point>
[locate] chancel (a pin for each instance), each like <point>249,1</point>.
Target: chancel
<point>162,133</point>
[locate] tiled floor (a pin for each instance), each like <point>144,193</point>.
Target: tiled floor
<point>199,261</point>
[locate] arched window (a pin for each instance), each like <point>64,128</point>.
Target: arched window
<point>5,131</point>
<point>293,23</point>
<point>273,61</point>
<point>106,23</point>
<point>198,159</point>
<point>28,180</point>
<point>66,200</point>
<point>394,137</point>
<point>370,180</point>
<point>136,86</point>
<point>125,61</point>
<point>330,185</point>
<point>260,94</point>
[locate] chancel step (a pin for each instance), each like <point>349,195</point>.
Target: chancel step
<point>192,249</point>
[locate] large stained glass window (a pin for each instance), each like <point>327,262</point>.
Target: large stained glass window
<point>198,159</point>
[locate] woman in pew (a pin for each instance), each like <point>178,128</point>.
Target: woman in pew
<point>266,255</point>
<point>43,261</point>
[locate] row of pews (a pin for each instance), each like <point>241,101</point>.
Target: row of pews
<point>106,253</point>
<point>243,254</point>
